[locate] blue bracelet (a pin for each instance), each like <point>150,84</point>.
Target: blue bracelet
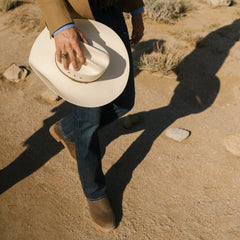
<point>69,25</point>
<point>137,11</point>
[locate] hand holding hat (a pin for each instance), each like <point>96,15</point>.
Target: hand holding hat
<point>67,47</point>
<point>99,81</point>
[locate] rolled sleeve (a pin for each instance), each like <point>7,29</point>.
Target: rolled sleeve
<point>137,11</point>
<point>55,13</point>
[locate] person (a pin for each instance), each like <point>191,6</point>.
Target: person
<point>78,132</point>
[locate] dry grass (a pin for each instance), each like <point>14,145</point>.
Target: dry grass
<point>192,38</point>
<point>165,10</point>
<point>214,26</point>
<point>5,5</point>
<point>161,60</point>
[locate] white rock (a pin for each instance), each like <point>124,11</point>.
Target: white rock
<point>49,96</point>
<point>15,73</point>
<point>216,3</point>
<point>178,134</point>
<point>232,144</point>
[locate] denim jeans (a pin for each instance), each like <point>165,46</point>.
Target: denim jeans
<point>82,125</point>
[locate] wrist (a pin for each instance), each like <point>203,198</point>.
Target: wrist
<point>137,11</point>
<point>67,26</point>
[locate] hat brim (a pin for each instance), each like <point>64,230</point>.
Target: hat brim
<point>94,94</point>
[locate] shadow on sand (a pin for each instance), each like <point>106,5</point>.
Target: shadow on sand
<point>197,89</point>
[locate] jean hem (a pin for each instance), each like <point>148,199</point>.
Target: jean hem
<point>64,135</point>
<point>96,199</point>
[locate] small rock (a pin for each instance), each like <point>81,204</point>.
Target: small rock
<point>178,134</point>
<point>15,73</point>
<point>216,3</point>
<point>50,97</point>
<point>232,144</point>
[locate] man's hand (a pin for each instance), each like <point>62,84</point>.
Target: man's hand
<point>138,28</point>
<point>67,44</point>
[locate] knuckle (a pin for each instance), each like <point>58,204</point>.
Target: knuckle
<point>72,58</point>
<point>75,44</point>
<point>80,54</point>
<point>68,45</point>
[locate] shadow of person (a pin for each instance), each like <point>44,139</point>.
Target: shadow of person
<point>197,89</point>
<point>41,147</point>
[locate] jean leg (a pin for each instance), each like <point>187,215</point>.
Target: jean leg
<point>83,123</point>
<point>113,18</point>
<point>88,152</point>
<point>66,126</point>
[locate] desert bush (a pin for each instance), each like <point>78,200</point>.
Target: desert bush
<point>5,5</point>
<point>164,10</point>
<point>192,38</point>
<point>162,60</point>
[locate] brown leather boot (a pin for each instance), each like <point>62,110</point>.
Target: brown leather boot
<point>102,214</point>
<point>57,135</point>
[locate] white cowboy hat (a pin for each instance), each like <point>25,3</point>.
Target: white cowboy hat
<point>97,83</point>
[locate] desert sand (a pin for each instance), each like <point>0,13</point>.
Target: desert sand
<point>160,189</point>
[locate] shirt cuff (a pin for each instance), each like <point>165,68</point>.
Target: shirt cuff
<point>69,25</point>
<point>137,11</point>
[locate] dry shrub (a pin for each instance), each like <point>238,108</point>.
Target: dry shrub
<point>5,5</point>
<point>192,39</point>
<point>164,10</point>
<point>160,60</point>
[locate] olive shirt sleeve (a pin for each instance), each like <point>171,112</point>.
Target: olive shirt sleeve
<point>56,12</point>
<point>52,8</point>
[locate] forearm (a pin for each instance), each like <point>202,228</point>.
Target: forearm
<point>67,26</point>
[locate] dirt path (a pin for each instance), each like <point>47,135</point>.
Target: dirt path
<point>161,189</point>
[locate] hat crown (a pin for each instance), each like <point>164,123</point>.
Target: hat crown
<point>107,87</point>
<point>96,63</point>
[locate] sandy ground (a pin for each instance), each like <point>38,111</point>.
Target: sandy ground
<point>160,189</point>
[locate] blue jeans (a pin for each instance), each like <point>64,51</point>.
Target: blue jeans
<point>82,125</point>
